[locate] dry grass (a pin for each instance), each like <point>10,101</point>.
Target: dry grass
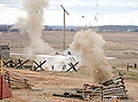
<point>120,45</point>
<point>58,83</point>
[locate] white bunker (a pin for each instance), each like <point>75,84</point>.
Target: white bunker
<point>60,62</point>
<point>55,63</point>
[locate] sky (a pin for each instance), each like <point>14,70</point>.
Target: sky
<point>81,12</point>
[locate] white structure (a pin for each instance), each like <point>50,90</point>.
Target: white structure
<point>60,62</point>
<point>55,63</point>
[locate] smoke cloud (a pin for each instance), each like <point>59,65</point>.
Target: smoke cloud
<point>33,25</point>
<point>90,45</point>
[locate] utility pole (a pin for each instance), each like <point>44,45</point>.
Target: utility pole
<point>64,11</point>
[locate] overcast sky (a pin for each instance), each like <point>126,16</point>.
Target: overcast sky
<point>108,12</point>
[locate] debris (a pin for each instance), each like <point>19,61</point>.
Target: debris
<point>69,95</point>
<point>36,89</point>
<point>111,88</point>
<point>91,90</point>
<point>72,58</point>
<point>135,65</point>
<point>37,12</point>
<point>45,93</point>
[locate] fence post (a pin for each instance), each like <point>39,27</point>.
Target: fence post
<point>127,66</point>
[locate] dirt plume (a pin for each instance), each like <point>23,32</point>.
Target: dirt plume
<point>91,44</point>
<point>33,25</point>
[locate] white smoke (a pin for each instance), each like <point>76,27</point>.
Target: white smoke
<point>33,24</point>
<point>90,44</point>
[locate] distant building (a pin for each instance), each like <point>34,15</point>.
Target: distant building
<point>4,51</point>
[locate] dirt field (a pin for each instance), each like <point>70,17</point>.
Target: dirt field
<point>119,45</point>
<point>122,46</point>
<point>58,83</point>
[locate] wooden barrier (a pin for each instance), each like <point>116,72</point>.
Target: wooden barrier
<point>15,79</point>
<point>37,65</point>
<point>15,64</point>
<point>111,88</point>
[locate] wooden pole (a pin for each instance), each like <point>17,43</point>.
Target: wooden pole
<point>64,29</point>
<point>64,43</point>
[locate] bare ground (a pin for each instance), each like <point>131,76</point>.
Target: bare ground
<point>58,83</point>
<point>120,45</point>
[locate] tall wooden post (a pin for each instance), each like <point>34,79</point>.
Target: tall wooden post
<point>64,29</point>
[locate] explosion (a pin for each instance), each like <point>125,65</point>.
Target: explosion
<point>90,45</point>
<point>33,25</point>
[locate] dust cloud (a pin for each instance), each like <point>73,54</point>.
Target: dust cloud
<point>90,45</point>
<point>33,25</point>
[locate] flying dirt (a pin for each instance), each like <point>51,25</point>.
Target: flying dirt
<point>90,45</point>
<point>33,25</point>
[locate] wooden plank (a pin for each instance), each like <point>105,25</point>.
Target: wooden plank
<point>16,78</point>
<point>93,86</point>
<point>119,96</point>
<point>114,86</point>
<point>116,78</point>
<point>115,92</point>
<point>11,72</point>
<point>17,85</point>
<point>18,81</point>
<point>89,91</point>
<point>21,82</point>
<point>112,89</point>
<point>93,94</point>
<point>113,80</point>
<point>116,82</point>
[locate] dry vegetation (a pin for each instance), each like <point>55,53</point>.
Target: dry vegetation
<point>120,45</point>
